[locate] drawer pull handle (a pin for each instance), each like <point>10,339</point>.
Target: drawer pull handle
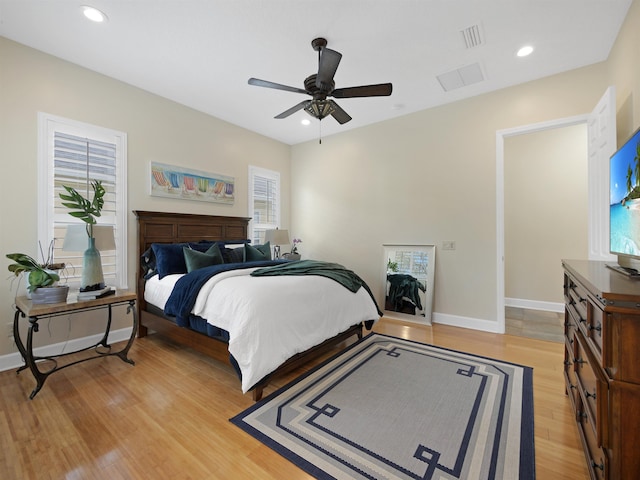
<point>572,386</point>
<point>582,320</point>
<point>597,465</point>
<point>567,363</point>
<point>590,395</point>
<point>580,361</point>
<point>581,414</point>
<point>598,328</point>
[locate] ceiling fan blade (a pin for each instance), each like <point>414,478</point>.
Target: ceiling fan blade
<point>264,83</point>
<point>329,61</point>
<point>378,90</point>
<point>339,114</point>
<point>293,109</point>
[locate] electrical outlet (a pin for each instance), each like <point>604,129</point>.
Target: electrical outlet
<point>448,245</point>
<point>9,329</point>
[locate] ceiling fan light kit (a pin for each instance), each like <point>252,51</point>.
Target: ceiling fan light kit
<point>321,85</point>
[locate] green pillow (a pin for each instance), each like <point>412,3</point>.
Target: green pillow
<point>195,259</point>
<point>259,252</point>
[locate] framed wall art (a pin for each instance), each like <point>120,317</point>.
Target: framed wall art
<point>178,182</point>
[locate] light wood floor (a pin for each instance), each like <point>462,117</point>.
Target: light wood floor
<point>167,416</point>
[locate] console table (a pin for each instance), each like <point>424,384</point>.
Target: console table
<point>602,365</point>
<point>34,313</point>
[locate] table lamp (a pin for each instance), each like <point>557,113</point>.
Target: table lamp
<point>276,238</point>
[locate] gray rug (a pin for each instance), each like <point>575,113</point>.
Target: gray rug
<point>388,408</point>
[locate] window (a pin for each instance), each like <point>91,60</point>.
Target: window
<point>74,154</point>
<point>264,202</point>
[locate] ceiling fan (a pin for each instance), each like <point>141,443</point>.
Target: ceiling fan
<point>321,85</point>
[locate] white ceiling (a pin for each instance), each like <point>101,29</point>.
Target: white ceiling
<point>201,53</point>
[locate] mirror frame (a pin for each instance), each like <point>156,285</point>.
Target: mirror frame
<point>430,250</point>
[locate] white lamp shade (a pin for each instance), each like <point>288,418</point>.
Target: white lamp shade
<point>77,240</point>
<point>277,237</point>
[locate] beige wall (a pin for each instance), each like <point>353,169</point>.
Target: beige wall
<point>431,176</point>
<point>545,210</point>
<point>157,129</point>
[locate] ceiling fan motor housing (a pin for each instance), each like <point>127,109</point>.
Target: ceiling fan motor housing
<point>313,90</point>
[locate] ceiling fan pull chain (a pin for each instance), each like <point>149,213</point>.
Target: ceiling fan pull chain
<point>319,132</point>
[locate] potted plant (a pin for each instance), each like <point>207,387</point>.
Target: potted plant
<point>87,211</point>
<point>42,278</point>
<point>294,255</point>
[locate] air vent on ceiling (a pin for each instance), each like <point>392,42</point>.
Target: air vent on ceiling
<point>472,36</point>
<point>461,77</point>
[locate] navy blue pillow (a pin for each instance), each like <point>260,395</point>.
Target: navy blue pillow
<point>169,258</point>
<point>233,255</point>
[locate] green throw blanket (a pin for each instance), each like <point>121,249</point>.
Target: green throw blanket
<point>345,277</point>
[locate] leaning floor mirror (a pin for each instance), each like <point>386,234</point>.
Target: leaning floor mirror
<point>409,272</point>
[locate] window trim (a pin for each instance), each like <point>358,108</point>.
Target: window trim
<point>47,124</point>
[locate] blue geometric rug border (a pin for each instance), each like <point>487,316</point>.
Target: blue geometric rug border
<point>433,413</point>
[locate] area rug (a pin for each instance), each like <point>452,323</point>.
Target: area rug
<point>389,408</point>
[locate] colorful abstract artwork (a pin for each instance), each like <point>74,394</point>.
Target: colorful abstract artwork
<point>179,182</point>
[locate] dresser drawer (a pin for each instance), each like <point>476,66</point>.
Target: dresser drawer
<point>595,327</point>
<point>596,457</point>
<point>570,327</point>
<point>570,380</point>
<point>577,301</point>
<point>587,379</point>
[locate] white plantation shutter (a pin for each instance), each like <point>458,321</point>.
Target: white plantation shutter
<point>264,202</point>
<point>75,154</point>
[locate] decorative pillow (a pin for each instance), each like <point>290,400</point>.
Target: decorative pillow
<point>195,259</point>
<point>169,258</point>
<point>202,245</point>
<point>258,252</point>
<point>148,263</point>
<point>233,255</point>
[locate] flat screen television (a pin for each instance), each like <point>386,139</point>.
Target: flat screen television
<point>624,206</point>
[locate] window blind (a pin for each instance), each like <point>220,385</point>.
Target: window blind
<point>265,202</point>
<point>76,162</point>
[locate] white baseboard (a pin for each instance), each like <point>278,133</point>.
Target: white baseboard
<point>466,322</point>
<point>534,305</point>
<point>14,360</point>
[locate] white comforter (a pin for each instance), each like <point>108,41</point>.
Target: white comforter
<point>270,319</point>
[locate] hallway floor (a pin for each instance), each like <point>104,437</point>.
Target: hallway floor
<point>538,324</point>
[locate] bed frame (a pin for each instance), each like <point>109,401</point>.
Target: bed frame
<point>161,227</point>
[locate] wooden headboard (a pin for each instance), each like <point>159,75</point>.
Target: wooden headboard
<point>163,227</point>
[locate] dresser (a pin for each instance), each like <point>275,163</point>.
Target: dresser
<point>602,365</point>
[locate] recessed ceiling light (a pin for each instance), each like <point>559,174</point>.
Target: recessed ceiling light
<point>305,121</point>
<point>93,14</point>
<point>524,51</point>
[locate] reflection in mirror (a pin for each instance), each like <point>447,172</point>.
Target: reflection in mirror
<point>408,281</point>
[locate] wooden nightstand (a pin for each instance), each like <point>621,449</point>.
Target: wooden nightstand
<point>25,308</point>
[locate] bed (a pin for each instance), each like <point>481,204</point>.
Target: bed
<point>213,331</point>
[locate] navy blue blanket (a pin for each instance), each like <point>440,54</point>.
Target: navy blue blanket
<point>184,294</point>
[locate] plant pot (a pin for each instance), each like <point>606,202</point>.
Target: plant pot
<point>57,294</point>
<point>292,256</point>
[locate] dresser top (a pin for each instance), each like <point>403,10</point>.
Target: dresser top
<point>604,282</point>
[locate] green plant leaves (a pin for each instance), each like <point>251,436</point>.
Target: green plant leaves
<point>38,276</point>
<point>83,208</point>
